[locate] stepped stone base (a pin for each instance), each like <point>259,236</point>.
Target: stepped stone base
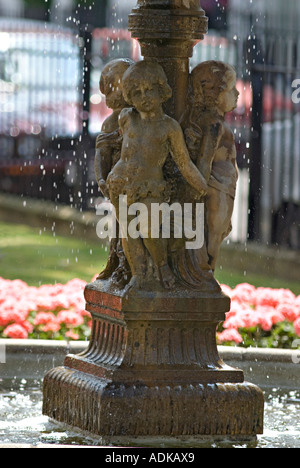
<point>153,370</point>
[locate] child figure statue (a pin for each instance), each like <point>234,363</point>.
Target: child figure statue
<point>108,152</point>
<point>212,147</point>
<point>149,135</point>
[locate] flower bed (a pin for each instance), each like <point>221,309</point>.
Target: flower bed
<point>48,312</point>
<point>259,317</point>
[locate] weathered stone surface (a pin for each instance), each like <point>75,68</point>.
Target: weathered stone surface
<point>153,374</point>
<point>152,368</point>
<point>117,409</point>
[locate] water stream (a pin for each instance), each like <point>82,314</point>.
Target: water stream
<point>22,422</point>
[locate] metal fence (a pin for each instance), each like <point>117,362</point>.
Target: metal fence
<point>40,106</point>
<point>51,111</point>
<point>274,201</point>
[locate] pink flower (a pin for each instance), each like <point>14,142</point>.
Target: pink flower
<point>273,297</point>
<point>5,318</point>
<point>297,326</point>
<point>47,321</point>
<point>82,312</point>
<point>266,297</point>
<point>44,318</point>
<point>51,327</point>
<point>244,293</point>
<point>70,318</point>
<point>290,311</point>
<point>266,323</point>
<point>9,315</point>
<point>72,335</point>
<point>16,331</point>
<point>233,322</point>
<point>27,325</point>
<point>230,335</point>
<point>277,316</point>
<point>244,318</point>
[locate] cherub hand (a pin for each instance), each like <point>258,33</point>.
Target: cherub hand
<point>215,129</point>
<point>103,187</point>
<point>192,136</point>
<point>111,140</point>
<point>205,169</point>
<point>200,195</point>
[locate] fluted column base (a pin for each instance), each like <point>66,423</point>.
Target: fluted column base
<point>152,369</point>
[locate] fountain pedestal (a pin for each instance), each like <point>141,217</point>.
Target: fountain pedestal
<point>167,30</point>
<point>152,369</point>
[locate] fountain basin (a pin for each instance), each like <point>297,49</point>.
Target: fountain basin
<point>277,372</point>
<point>268,368</point>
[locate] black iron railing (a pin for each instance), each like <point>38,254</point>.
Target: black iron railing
<point>51,111</point>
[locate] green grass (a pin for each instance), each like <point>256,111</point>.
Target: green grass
<point>41,258</point>
<point>232,278</point>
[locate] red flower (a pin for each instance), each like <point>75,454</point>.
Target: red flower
<point>43,318</point>
<point>290,311</point>
<point>230,335</point>
<point>70,318</point>
<point>297,326</point>
<point>244,293</point>
<point>273,297</point>
<point>16,331</point>
<point>72,335</point>
<point>51,327</point>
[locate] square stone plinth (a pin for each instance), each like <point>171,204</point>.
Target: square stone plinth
<point>153,369</point>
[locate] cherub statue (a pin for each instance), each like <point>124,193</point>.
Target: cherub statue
<point>149,135</point>
<point>108,152</point>
<point>212,147</point>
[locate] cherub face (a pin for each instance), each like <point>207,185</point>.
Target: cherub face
<point>228,99</point>
<point>145,97</point>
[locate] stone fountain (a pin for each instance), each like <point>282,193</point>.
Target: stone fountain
<point>152,368</point>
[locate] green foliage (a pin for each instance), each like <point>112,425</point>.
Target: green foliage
<point>38,256</point>
<point>282,336</point>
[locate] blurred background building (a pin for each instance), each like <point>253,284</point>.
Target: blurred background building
<point>51,56</point>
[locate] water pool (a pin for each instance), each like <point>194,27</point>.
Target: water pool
<point>22,422</point>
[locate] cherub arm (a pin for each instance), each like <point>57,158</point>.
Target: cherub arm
<point>106,144</point>
<point>184,163</point>
<point>124,118</point>
<point>103,163</point>
<point>209,145</point>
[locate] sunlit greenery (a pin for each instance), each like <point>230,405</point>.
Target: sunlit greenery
<point>39,257</point>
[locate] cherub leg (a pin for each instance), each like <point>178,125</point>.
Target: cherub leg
<point>158,249</point>
<point>136,257</point>
<point>135,254</point>
<point>133,249</point>
<point>218,218</point>
<point>214,244</point>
